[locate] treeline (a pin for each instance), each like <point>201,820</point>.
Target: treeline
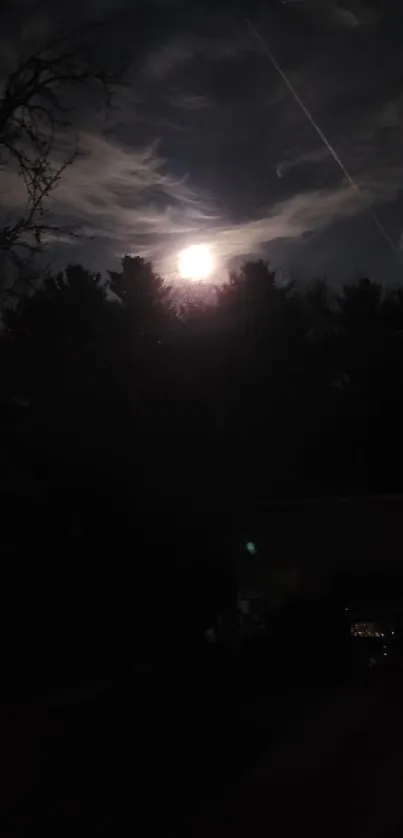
<point>137,435</point>
<point>271,389</point>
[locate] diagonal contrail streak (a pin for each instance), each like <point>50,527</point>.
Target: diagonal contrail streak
<point>265,47</point>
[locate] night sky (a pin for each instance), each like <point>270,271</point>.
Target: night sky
<point>207,144</point>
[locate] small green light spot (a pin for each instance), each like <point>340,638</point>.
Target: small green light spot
<point>251,548</point>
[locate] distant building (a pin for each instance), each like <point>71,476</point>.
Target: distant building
<point>366,629</point>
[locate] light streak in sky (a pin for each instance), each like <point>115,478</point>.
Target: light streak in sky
<point>267,51</point>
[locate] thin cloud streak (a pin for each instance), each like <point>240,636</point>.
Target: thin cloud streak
<point>119,192</point>
<point>301,214</point>
<point>190,102</point>
<point>316,156</point>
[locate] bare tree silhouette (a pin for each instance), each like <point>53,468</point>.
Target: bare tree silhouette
<point>36,114</point>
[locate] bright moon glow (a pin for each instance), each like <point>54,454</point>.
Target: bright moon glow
<point>196,262</point>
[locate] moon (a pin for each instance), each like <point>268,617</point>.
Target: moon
<point>196,262</point>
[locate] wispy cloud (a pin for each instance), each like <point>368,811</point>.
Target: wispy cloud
<point>124,195</point>
<point>350,14</point>
<point>190,101</point>
<point>127,197</point>
<point>165,60</point>
<point>227,41</point>
<point>300,214</point>
<point>316,156</point>
<point>354,14</point>
<point>287,220</point>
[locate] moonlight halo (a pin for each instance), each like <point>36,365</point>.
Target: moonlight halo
<point>196,262</point>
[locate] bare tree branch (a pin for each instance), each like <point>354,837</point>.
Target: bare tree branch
<point>34,113</point>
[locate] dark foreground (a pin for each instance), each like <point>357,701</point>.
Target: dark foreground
<point>342,773</point>
<point>147,756</point>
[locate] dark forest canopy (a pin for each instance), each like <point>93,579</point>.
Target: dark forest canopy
<point>138,436</point>
<point>272,389</point>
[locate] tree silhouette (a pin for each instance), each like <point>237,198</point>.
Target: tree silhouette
<point>360,307</point>
<point>62,381</point>
<point>35,120</point>
<point>70,306</point>
<point>145,297</point>
<point>249,293</point>
<point>319,310</point>
<point>370,360</point>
